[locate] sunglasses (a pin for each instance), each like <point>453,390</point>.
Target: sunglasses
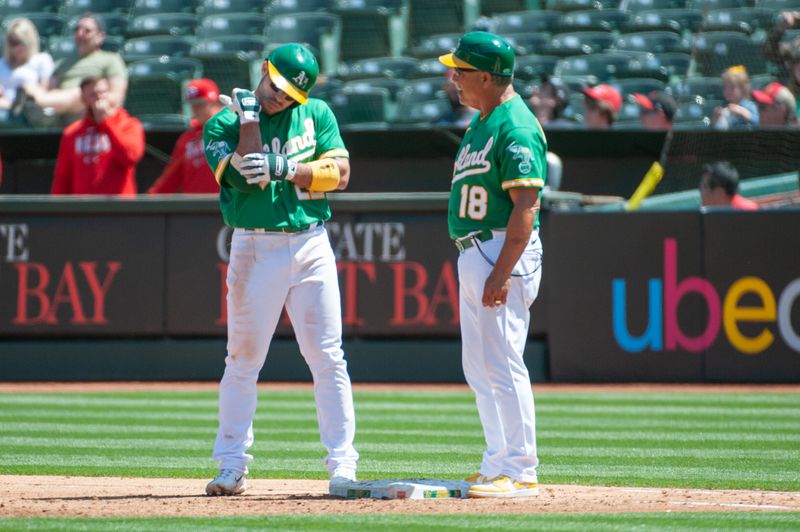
<point>464,70</point>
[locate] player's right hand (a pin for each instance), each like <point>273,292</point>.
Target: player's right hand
<point>253,167</point>
<point>244,103</point>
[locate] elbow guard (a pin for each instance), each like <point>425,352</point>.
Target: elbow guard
<point>324,175</point>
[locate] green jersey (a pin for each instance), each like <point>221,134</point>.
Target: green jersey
<point>502,151</point>
<point>302,133</point>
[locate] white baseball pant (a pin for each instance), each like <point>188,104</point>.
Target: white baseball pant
<point>265,271</point>
<point>493,343</point>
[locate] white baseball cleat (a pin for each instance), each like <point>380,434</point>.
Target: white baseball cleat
<point>227,482</point>
<point>341,477</point>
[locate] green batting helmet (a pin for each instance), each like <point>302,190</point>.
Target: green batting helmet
<point>480,50</point>
<point>294,70</point>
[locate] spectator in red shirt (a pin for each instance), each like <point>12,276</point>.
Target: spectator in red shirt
<point>98,153</point>
<point>188,170</point>
<point>719,187</point>
<point>602,103</point>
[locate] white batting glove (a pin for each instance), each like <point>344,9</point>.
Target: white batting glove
<point>254,167</point>
<point>244,103</point>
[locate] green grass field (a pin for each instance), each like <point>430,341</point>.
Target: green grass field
<point>715,440</point>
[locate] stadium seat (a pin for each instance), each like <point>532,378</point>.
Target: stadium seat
<point>72,8</point>
<point>683,21</point>
<point>608,66</point>
<point>532,67</point>
<point>427,68</point>
<point>378,67</point>
<point>166,121</point>
<point>434,45</point>
<point>393,85</point>
<point>361,105</point>
<point>158,93</point>
<point>116,24</point>
<point>422,112</point>
<point>386,4</point>
<point>694,115</point>
<point>656,42</point>
<point>366,32</point>
<point>576,108</point>
<point>221,7</point>
<point>422,89</point>
<point>320,31</point>
<point>154,7</point>
<point>492,7</point>
<point>779,5</point>
<point>288,7</point>
<point>158,46</point>
<point>62,46</point>
<point>579,42</point>
<point>640,85</point>
<point>184,67</point>
<point>690,89</point>
<point>47,24</point>
<point>676,64</point>
<point>174,24</point>
<point>707,5</point>
<point>528,21</point>
<point>628,116</point>
<point>231,24</point>
<point>746,20</point>
<point>442,16</point>
<point>594,20</point>
<point>10,8</point>
<point>325,88</point>
<point>715,51</point>
<point>578,5</point>
<point>634,6</point>
<point>232,61</point>
<point>527,42</point>
<point>761,81</point>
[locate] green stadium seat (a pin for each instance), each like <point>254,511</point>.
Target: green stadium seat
<point>393,5</point>
<point>428,17</point>
<point>762,80</point>
<point>163,121</point>
<point>379,67</point>
<point>393,85</point>
<point>427,68</point>
<point>694,115</point>
<point>640,85</point>
<point>15,7</point>
<point>183,67</point>
<point>612,65</point>
<point>72,8</point>
<point>676,64</point>
<point>325,88</point>
<point>174,24</point>
<point>154,7</point>
<point>492,7</point>
<point>594,20</point>
<point>533,67</point>
<point>423,89</point>
<point>232,61</point>
<point>579,42</point>
<point>160,93</point>
<point>576,108</point>
<point>684,21</point>
<point>746,20</point>
<point>779,5</point>
<point>578,5</point>
<point>528,42</point>
<point>288,7</point>
<point>158,46</point>
<point>361,105</point>
<point>656,42</point>
<point>528,21</point>
<point>320,31</point>
<point>422,112</point>
<point>231,24</point>
<point>221,7</point>
<point>628,116</point>
<point>715,51</point>
<point>62,46</point>
<point>707,5</point>
<point>692,88</point>
<point>366,32</point>
<point>116,24</point>
<point>634,6</point>
<point>47,24</point>
<point>434,45</point>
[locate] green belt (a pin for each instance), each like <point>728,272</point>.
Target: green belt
<point>464,243</point>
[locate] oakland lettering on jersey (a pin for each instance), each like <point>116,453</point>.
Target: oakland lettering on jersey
<point>472,162</point>
<point>296,148</point>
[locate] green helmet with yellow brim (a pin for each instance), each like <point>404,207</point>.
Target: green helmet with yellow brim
<point>480,50</point>
<point>293,69</point>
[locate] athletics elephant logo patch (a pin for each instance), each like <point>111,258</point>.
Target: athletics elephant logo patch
<point>523,154</point>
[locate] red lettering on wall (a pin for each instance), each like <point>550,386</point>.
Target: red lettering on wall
<point>350,314</point>
<point>67,292</point>
<point>99,290</point>
<point>402,292</point>
<point>24,292</point>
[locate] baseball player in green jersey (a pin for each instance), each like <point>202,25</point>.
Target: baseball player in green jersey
<point>276,153</point>
<point>493,218</point>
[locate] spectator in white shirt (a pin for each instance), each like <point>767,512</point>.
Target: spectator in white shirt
<point>22,62</point>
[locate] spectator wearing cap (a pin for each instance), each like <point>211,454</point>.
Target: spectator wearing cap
<point>719,187</point>
<point>187,170</point>
<point>740,112</point>
<point>602,105</point>
<point>776,106</point>
<point>63,94</point>
<point>786,55</point>
<point>657,109</point>
<point>549,100</point>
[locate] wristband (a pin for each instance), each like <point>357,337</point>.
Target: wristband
<point>324,175</point>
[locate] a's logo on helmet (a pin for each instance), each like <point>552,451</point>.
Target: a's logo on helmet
<point>301,79</point>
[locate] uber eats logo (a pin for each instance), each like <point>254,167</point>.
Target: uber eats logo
<point>728,311</point>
